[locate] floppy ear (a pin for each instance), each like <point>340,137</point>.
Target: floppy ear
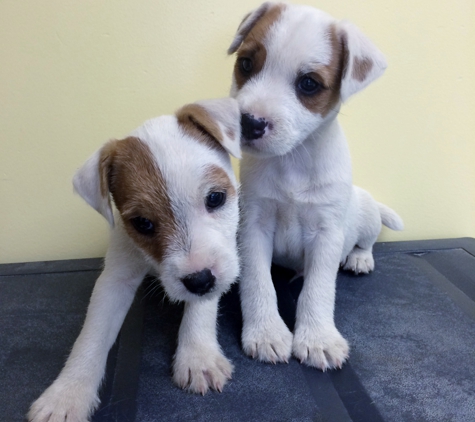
<point>362,61</point>
<point>219,120</point>
<point>91,181</point>
<point>247,24</point>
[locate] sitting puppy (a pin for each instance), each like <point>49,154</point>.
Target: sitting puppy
<point>177,216</point>
<point>295,66</point>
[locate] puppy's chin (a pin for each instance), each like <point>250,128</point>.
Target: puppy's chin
<point>266,147</point>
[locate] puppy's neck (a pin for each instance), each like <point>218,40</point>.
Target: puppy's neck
<point>325,152</point>
<point>329,136</point>
<point>326,129</point>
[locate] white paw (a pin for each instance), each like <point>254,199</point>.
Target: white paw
<point>200,368</point>
<point>268,342</point>
<point>323,349</point>
<point>359,261</point>
<point>64,401</point>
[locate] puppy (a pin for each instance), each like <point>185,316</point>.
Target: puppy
<point>176,216</point>
<point>295,66</point>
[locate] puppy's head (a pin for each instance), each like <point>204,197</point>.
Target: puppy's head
<point>175,192</point>
<point>294,67</point>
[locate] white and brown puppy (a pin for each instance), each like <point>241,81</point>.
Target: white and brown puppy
<point>295,66</point>
<point>176,216</point>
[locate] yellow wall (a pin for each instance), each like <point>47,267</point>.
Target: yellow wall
<point>76,73</point>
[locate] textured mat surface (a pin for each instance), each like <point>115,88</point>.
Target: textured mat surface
<point>411,326</point>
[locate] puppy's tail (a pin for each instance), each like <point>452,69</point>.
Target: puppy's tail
<point>389,218</point>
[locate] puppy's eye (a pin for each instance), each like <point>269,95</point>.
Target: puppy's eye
<point>308,85</point>
<point>143,225</point>
<point>215,200</point>
<point>245,64</point>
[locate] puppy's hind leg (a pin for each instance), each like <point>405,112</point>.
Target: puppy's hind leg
<point>368,226</point>
<point>360,260</point>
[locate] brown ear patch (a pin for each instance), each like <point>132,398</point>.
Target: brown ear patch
<point>329,76</point>
<point>246,25</point>
<point>253,47</point>
<point>196,122</point>
<point>231,134</point>
<point>345,55</point>
<point>105,161</point>
<point>139,190</point>
<point>251,24</point>
<point>361,68</point>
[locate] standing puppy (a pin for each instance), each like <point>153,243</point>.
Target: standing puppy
<point>295,66</point>
<point>177,215</point>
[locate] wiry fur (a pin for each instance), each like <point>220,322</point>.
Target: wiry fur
<point>197,239</point>
<point>299,208</point>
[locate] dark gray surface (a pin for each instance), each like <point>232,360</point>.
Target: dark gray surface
<point>413,348</point>
<point>254,386</point>
<point>411,326</point>
<point>40,317</point>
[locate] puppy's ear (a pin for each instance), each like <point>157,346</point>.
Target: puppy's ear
<point>362,61</point>
<point>219,120</point>
<point>248,23</point>
<point>91,181</point>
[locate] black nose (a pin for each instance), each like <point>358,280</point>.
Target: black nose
<point>252,128</point>
<point>200,282</point>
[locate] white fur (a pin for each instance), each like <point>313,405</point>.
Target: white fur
<point>299,208</point>
<point>210,242</point>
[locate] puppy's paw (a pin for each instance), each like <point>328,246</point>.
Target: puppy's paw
<point>268,342</point>
<point>360,261</point>
<point>324,349</point>
<point>64,401</point>
<point>197,369</point>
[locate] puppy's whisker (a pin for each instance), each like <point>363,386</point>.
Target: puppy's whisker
<point>152,289</point>
<point>162,302</point>
<point>306,150</point>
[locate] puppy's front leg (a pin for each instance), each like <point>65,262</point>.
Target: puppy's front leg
<point>73,395</point>
<point>317,342</point>
<point>199,363</point>
<point>265,335</point>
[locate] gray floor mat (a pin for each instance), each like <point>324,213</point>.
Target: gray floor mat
<point>411,326</point>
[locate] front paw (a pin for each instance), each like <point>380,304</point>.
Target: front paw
<point>198,368</point>
<point>268,342</point>
<point>64,401</point>
<point>324,348</point>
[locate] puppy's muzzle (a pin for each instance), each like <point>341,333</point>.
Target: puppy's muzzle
<point>252,128</point>
<point>200,282</point>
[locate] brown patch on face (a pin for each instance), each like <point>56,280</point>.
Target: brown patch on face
<point>196,122</point>
<point>329,77</point>
<point>220,180</point>
<point>361,68</point>
<point>252,47</point>
<point>138,188</point>
<point>256,53</point>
